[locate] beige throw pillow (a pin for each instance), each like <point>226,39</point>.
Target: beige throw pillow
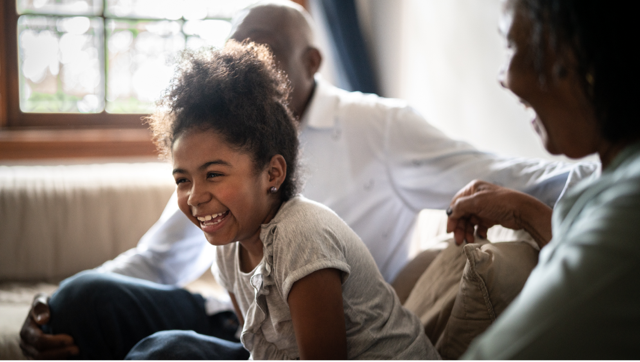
<point>435,291</point>
<point>466,288</point>
<point>492,278</point>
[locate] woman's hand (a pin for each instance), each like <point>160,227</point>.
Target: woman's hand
<point>35,344</point>
<point>484,205</point>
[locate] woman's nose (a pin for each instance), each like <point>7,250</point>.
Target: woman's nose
<point>198,195</point>
<point>502,77</point>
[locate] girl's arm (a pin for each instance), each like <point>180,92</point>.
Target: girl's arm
<point>315,302</point>
<point>235,306</point>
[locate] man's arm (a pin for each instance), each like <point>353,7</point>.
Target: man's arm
<point>428,167</point>
<point>173,251</point>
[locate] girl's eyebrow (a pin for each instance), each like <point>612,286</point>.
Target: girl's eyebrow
<point>204,166</point>
<point>215,162</point>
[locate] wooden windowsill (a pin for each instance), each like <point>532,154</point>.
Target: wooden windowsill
<point>75,143</point>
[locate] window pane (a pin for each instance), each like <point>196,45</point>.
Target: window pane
<point>226,9</point>
<point>210,32</point>
<point>61,64</point>
<point>140,55</point>
<point>59,7</point>
<point>174,9</point>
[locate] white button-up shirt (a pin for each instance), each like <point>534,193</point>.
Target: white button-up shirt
<point>376,162</point>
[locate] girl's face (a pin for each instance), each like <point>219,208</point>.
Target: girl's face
<point>564,118</point>
<point>219,188</point>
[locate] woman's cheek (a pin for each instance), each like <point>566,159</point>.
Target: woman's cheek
<point>541,130</point>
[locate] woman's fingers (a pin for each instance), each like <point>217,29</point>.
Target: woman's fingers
<point>461,208</point>
<point>469,232</point>
<point>459,231</point>
<point>479,204</point>
<point>482,231</point>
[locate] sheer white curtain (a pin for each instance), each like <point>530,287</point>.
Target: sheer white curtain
<point>444,56</point>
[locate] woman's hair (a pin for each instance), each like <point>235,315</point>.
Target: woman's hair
<point>238,93</point>
<point>601,36</point>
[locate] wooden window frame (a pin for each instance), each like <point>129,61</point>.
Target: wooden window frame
<point>15,118</point>
<point>60,135</point>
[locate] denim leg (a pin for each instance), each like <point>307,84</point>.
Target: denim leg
<point>107,314</point>
<point>186,345</point>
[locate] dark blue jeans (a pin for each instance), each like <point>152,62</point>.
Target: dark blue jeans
<point>108,314</point>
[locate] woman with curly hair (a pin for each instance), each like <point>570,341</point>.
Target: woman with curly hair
<point>573,62</point>
<point>302,283</point>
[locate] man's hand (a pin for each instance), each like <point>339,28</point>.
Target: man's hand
<point>36,344</point>
<point>484,205</point>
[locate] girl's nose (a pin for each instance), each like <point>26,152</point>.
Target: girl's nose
<point>198,195</point>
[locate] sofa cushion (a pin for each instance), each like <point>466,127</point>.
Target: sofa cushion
<point>409,275</point>
<point>435,291</point>
<point>59,220</point>
<point>465,288</point>
<point>493,276</point>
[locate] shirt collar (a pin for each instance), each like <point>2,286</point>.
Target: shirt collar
<point>629,154</point>
<point>322,108</point>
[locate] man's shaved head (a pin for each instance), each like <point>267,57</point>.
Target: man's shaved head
<point>283,19</point>
<point>288,30</point>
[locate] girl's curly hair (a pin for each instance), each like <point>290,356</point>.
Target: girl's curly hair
<point>239,93</point>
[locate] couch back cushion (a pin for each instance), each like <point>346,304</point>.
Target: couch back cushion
<point>58,220</point>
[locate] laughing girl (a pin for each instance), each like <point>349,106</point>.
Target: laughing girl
<point>303,284</point>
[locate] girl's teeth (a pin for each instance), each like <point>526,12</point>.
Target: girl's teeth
<point>209,217</point>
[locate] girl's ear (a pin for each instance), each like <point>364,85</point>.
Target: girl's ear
<point>277,171</point>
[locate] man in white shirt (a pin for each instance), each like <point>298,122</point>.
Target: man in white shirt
<point>376,162</point>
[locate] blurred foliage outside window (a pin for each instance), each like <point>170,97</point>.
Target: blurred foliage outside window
<point>90,56</point>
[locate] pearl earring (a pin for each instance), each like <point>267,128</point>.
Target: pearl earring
<point>273,190</point>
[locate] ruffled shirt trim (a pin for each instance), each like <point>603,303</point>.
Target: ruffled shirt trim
<point>262,282</point>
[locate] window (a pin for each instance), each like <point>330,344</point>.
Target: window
<point>99,62</point>
<point>77,76</point>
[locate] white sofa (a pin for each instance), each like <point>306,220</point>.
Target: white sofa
<point>57,220</point>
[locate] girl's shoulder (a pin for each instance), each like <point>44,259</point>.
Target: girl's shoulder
<point>303,216</point>
<point>304,232</point>
<point>302,238</point>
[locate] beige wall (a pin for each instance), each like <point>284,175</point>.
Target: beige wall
<point>443,56</point>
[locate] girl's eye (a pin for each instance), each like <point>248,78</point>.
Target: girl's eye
<point>180,180</point>
<point>213,174</point>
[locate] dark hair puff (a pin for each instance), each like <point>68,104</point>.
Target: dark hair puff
<point>239,93</point>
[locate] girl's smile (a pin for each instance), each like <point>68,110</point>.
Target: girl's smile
<point>220,189</point>
<point>211,223</point>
